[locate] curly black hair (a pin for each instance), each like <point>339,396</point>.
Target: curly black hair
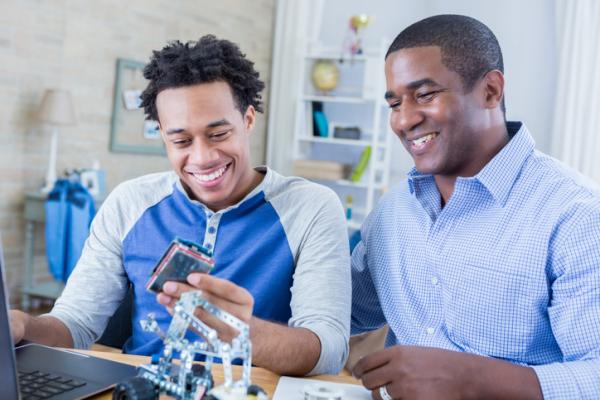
<point>468,46</point>
<point>207,60</point>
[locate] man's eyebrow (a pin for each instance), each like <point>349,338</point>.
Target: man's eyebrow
<point>174,131</point>
<point>218,123</point>
<point>412,86</point>
<point>421,82</point>
<point>213,124</point>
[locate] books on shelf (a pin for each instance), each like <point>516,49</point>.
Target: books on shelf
<point>318,169</point>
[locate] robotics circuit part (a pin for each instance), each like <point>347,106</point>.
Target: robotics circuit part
<point>188,381</point>
<point>179,260</point>
<point>185,380</point>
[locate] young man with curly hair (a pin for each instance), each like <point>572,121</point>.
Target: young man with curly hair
<point>280,244</point>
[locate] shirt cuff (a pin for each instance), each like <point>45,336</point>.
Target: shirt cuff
<point>334,349</point>
<point>80,341</point>
<point>570,380</point>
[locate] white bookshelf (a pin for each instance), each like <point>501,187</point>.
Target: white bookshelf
<point>357,101</point>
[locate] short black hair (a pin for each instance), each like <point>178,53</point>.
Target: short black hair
<point>207,60</point>
<point>468,46</point>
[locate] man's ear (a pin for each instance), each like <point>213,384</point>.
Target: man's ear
<point>494,88</point>
<point>250,118</point>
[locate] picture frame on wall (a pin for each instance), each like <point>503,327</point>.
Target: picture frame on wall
<point>130,132</point>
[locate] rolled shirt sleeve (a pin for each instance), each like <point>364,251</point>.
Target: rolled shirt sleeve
<point>574,310</point>
<point>321,292</point>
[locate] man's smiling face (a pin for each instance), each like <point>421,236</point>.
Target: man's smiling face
<point>207,142</point>
<point>436,120</point>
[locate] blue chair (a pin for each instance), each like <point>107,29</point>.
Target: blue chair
<point>120,325</point>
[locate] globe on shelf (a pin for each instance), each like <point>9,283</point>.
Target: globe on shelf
<point>325,75</point>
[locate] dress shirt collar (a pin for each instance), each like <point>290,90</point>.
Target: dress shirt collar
<point>500,173</point>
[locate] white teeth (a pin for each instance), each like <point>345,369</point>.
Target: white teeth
<point>424,139</point>
<point>212,176</point>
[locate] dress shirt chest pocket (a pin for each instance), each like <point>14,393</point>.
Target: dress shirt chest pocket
<point>491,312</point>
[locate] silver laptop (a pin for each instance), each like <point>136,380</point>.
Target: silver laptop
<point>33,371</point>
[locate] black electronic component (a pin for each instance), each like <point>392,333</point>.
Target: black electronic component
<point>181,258</point>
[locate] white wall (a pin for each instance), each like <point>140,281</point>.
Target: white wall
<point>525,30</point>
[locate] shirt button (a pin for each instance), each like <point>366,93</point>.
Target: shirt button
<point>211,229</point>
<point>434,280</point>
<point>430,331</point>
<point>208,245</point>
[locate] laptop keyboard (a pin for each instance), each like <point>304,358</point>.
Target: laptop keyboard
<point>42,385</point>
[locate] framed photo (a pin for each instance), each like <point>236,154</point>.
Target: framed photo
<point>130,132</point>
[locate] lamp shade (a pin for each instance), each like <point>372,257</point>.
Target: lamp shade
<point>57,108</point>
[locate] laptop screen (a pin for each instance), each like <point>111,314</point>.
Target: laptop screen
<point>8,375</point>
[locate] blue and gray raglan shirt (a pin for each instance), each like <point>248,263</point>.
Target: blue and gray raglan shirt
<point>285,242</point>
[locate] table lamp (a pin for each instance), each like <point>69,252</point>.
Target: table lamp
<point>55,110</point>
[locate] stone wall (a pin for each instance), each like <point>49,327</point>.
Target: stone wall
<point>73,45</point>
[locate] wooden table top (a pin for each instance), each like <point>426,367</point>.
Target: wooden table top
<point>260,376</point>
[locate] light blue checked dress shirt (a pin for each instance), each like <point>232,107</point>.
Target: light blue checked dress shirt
<point>509,268</point>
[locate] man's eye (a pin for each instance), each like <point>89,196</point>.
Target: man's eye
<point>427,95</point>
<point>395,105</point>
<point>220,135</point>
<point>181,142</point>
